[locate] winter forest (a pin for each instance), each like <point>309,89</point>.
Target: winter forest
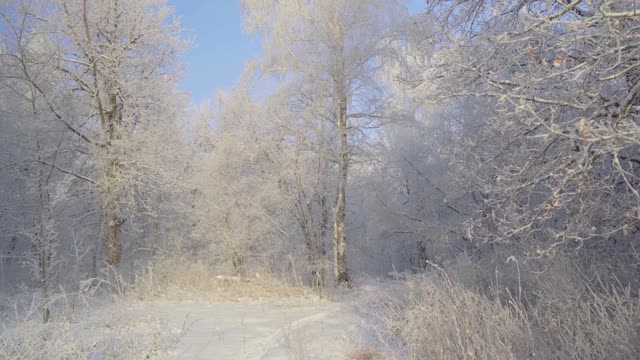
<point>458,183</point>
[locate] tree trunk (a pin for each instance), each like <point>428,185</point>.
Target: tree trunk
<point>114,224</point>
<point>340,268</point>
<point>321,251</point>
<point>114,221</point>
<point>44,247</point>
<point>238,265</point>
<point>156,235</point>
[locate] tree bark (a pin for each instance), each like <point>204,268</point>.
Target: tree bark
<point>44,247</point>
<point>321,251</point>
<point>114,225</point>
<point>114,220</point>
<point>340,268</point>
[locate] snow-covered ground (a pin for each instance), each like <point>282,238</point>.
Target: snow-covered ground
<point>292,328</point>
<point>262,329</point>
<point>215,328</point>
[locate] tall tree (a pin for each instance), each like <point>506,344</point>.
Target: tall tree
<point>105,70</point>
<point>337,45</point>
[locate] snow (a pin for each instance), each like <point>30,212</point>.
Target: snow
<point>265,329</point>
<point>211,328</point>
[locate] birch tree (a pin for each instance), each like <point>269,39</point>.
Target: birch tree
<point>338,46</point>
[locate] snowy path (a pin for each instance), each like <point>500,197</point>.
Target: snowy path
<point>266,329</point>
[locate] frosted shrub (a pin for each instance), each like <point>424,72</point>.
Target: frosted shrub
<point>439,319</point>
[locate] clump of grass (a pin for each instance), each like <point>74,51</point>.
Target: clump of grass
<point>434,317</point>
<point>439,319</point>
<point>108,335</point>
<point>173,279</point>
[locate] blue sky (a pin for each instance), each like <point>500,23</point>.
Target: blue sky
<point>221,48</point>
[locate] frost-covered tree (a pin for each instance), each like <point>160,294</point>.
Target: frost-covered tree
<point>557,160</point>
<point>237,205</point>
<point>306,170</point>
<point>338,46</point>
<point>105,71</point>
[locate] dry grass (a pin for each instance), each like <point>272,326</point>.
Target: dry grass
<point>112,334</point>
<point>179,280</point>
<point>602,324</point>
<point>435,317</point>
<point>438,319</point>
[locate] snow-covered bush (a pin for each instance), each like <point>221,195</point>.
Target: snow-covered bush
<point>435,317</point>
<point>438,319</point>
